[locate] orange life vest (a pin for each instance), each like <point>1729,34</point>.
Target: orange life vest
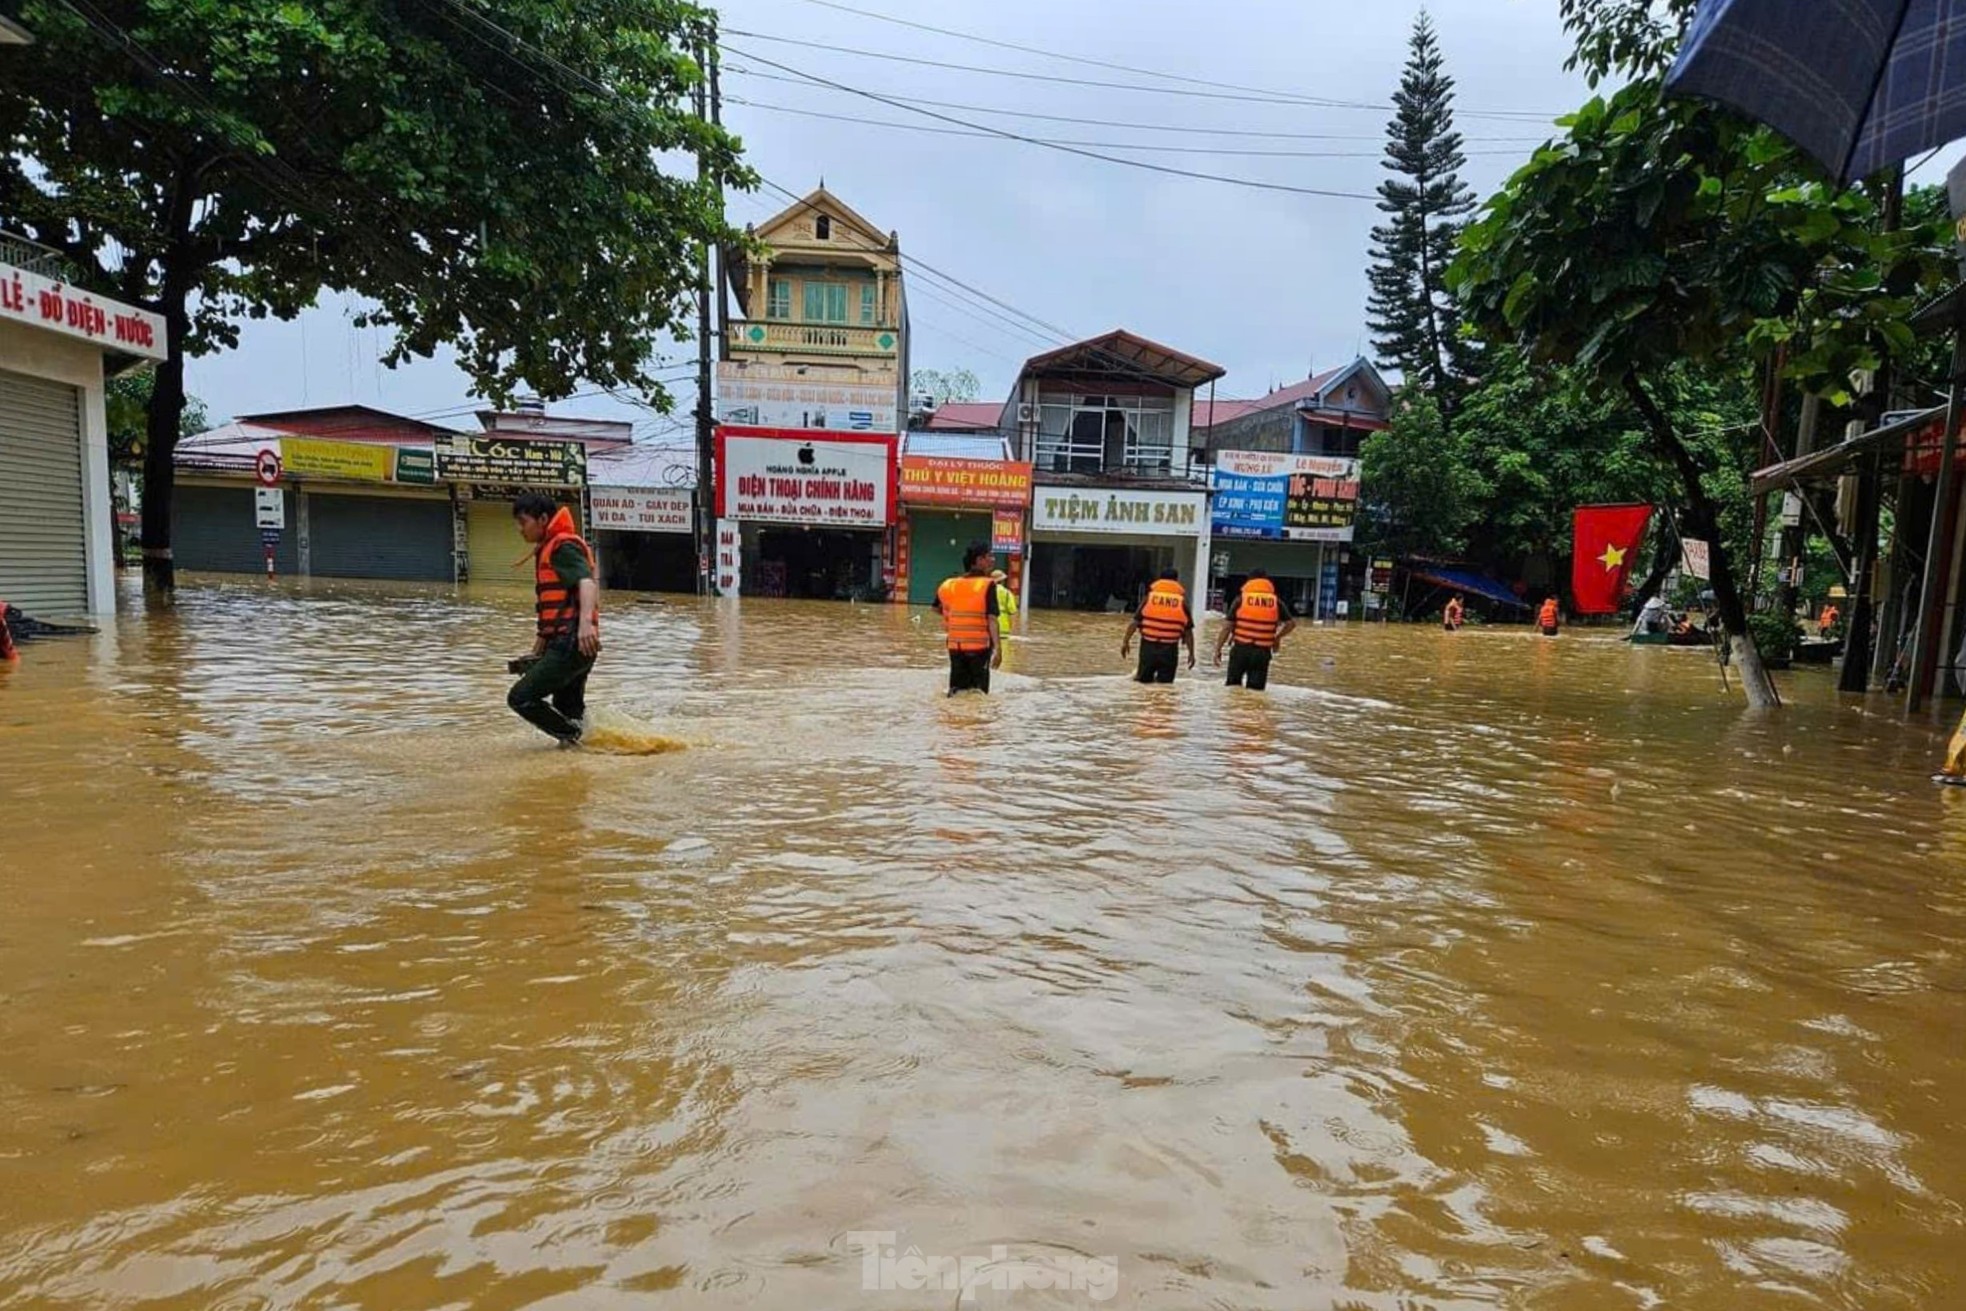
<point>965,603</point>
<point>1829,616</point>
<point>557,605</point>
<point>1164,614</point>
<point>1258,615</point>
<point>1548,618</point>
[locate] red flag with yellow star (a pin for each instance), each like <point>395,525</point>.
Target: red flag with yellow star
<point>1604,548</point>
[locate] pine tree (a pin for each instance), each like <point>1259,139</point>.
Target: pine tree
<point>1415,323</point>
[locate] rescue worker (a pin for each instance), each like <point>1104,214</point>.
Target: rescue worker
<point>1827,617</point>
<point>1547,619</point>
<point>1455,615</point>
<point>551,693</point>
<point>1006,602</point>
<point>1259,620</point>
<point>1165,627</point>
<point>968,605</point>
<point>8,654</point>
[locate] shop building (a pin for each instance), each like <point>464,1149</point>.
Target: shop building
<point>359,499</point>
<point>1117,492</point>
<point>816,367</point>
<point>956,489</point>
<point>805,514</point>
<point>524,449</point>
<point>362,493</point>
<point>57,345</point>
<point>642,504</point>
<point>1284,476</point>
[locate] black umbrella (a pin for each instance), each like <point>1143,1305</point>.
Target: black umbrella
<point>1858,84</point>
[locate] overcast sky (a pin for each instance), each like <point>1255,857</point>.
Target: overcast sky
<point>1270,285</point>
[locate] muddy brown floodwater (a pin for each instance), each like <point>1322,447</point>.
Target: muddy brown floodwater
<point>1459,971</point>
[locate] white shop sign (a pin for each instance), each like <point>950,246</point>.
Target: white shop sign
<point>44,303</point>
<point>834,484</point>
<point>730,557</point>
<point>789,396</point>
<point>640,510</point>
<point>1118,510</point>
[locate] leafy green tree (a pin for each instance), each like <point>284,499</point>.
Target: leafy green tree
<point>945,385</point>
<point>1655,236</point>
<point>1421,488</point>
<point>495,175</point>
<point>1545,443</point>
<point>1414,320</point>
<point>126,405</point>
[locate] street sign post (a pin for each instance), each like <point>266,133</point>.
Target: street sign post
<point>266,466</point>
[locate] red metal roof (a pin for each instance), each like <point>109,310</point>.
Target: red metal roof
<point>966,416</point>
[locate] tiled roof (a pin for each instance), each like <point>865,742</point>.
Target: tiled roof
<point>1207,415</point>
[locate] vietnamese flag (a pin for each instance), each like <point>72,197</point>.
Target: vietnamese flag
<point>1604,547</point>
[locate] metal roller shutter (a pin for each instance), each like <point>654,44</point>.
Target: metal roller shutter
<point>44,558</point>
<point>212,530</point>
<point>494,543</point>
<point>379,537</point>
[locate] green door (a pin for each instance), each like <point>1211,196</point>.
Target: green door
<point>936,542</point>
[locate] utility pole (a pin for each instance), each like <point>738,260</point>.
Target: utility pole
<point>1857,654</point>
<point>706,527</point>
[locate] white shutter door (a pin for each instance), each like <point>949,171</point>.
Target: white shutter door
<point>43,542</point>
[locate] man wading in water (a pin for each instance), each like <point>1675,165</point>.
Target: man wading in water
<point>551,693</point>
<point>968,605</point>
<point>1165,627</point>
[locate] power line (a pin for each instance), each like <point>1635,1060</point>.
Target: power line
<point>1128,123</point>
<point>1262,98</point>
<point>1116,68</point>
<point>1007,135</point>
<point>1103,145</point>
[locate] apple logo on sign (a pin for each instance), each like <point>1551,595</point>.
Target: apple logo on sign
<point>806,455</point>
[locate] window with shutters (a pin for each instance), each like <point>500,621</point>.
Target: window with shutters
<point>867,303</point>
<point>778,305</point>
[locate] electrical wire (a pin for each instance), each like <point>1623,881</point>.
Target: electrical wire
<point>1129,123</point>
<point>1265,98</point>
<point>1088,62</point>
<point>1253,183</point>
<point>1103,145</point>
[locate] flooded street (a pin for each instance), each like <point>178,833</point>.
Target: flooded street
<point>1460,971</point>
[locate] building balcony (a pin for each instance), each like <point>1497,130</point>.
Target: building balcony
<point>800,337</point>
<point>33,257</point>
<point>1056,458</point>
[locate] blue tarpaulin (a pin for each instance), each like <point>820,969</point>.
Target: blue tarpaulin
<point>1464,580</point>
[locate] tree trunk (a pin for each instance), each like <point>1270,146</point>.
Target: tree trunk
<point>1704,519</point>
<point>166,412</point>
<point>1663,559</point>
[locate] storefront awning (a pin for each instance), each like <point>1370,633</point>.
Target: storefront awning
<point>1833,460</point>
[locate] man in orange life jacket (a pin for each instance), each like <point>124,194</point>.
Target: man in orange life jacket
<point>1164,626</point>
<point>969,612</point>
<point>1259,620</point>
<point>1547,618</point>
<point>551,693</point>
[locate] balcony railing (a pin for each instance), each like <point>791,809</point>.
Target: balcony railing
<point>34,257</point>
<point>813,338</point>
<point>1061,455</point>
